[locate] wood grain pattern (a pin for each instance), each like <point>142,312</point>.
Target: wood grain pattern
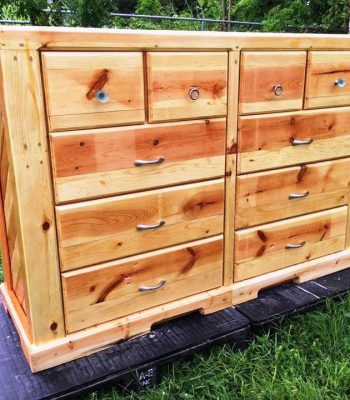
<point>262,249</point>
<point>90,163</point>
<point>324,68</point>
<point>103,230</point>
<point>261,71</point>
<point>264,196</point>
<point>67,38</point>
<point>171,75</point>
<point>231,165</point>
<point>99,294</point>
<point>23,109</point>
<point>265,140</point>
<point>73,78</point>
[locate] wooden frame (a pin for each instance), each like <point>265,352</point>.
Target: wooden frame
<point>38,314</point>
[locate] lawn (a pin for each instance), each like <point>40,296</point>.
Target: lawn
<point>306,357</point>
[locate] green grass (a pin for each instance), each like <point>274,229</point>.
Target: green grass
<point>302,358</point>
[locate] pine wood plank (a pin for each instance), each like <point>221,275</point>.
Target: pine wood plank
<point>231,165</point>
<point>260,72</point>
<point>103,230</point>
<point>265,140</point>
<point>264,196</point>
<point>263,249</point>
<point>72,80</point>
<point>171,76</point>
<point>99,294</point>
<point>27,142</point>
<point>61,38</point>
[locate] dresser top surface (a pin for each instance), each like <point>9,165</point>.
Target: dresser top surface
<point>61,38</point>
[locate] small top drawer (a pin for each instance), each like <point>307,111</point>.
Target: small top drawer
<point>328,79</point>
<point>271,81</point>
<point>93,89</point>
<point>186,85</point>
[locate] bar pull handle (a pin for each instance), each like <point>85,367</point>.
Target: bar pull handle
<point>140,163</point>
<point>150,288</point>
<point>297,142</point>
<point>298,195</point>
<point>295,246</point>
<point>147,227</point>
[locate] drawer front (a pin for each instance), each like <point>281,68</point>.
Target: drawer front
<point>270,247</point>
<point>93,89</point>
<point>93,163</point>
<point>108,291</point>
<point>269,196</point>
<point>186,85</point>
<point>103,230</point>
<point>328,79</point>
<point>266,141</point>
<point>271,81</point>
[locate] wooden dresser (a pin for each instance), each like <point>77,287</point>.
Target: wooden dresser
<point>145,175</point>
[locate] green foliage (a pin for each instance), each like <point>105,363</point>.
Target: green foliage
<point>149,7</point>
<point>93,13</point>
<point>296,15</point>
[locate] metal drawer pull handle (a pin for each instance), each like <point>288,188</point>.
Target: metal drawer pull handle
<point>140,163</point>
<point>297,142</point>
<point>149,288</point>
<point>147,227</point>
<point>298,195</point>
<point>340,82</point>
<point>102,96</point>
<point>194,93</point>
<point>295,246</point>
<point>278,90</point>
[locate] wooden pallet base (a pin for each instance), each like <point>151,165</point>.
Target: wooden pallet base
<point>94,339</point>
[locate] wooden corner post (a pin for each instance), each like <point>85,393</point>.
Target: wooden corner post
<point>36,245</point>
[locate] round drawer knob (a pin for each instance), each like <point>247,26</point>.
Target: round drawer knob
<point>340,82</point>
<point>278,90</point>
<point>102,96</point>
<point>194,93</point>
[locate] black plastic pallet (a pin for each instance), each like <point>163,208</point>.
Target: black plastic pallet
<point>138,362</point>
<point>134,362</point>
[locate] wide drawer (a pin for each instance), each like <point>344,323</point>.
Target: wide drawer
<point>94,163</point>
<point>271,81</point>
<point>103,230</point>
<point>277,140</point>
<point>186,85</point>
<point>89,89</point>
<point>272,195</point>
<point>104,292</point>
<point>280,244</point>
<point>328,79</point>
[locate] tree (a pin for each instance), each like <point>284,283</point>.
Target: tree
<point>330,16</point>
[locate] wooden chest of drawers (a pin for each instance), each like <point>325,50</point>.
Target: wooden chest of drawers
<point>145,175</point>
